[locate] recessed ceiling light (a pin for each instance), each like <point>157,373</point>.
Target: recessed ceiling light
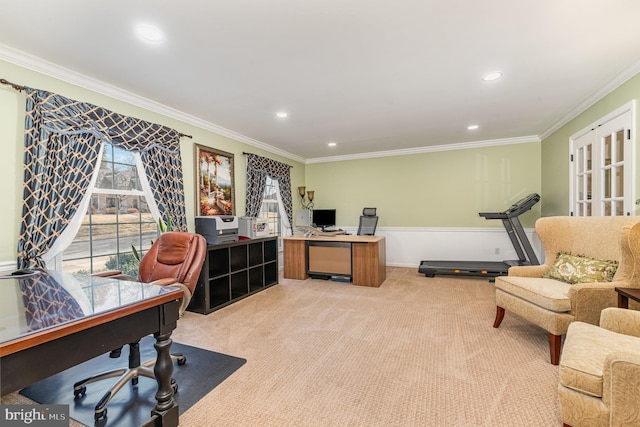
<point>149,33</point>
<point>282,115</point>
<point>495,75</point>
<point>332,144</point>
<point>473,127</point>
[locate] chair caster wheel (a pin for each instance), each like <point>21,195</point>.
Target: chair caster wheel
<point>99,415</point>
<point>80,392</point>
<point>182,361</point>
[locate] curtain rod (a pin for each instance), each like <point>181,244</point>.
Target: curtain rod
<point>13,85</point>
<point>245,153</point>
<point>20,88</point>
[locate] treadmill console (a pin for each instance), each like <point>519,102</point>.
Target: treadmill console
<point>515,210</point>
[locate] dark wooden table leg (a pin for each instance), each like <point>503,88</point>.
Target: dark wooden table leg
<point>165,413</point>
<point>623,301</point>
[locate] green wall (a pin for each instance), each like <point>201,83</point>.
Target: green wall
<point>12,106</point>
<point>555,148</point>
<point>435,189</point>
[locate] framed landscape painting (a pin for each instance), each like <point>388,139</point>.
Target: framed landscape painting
<point>215,183</point>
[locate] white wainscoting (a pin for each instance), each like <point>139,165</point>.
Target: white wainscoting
<point>7,266</point>
<point>406,247</point>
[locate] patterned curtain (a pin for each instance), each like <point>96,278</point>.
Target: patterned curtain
<point>258,168</point>
<point>62,141</point>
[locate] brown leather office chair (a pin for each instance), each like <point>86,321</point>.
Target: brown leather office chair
<point>175,259</point>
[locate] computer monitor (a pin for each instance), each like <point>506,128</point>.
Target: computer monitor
<point>324,218</point>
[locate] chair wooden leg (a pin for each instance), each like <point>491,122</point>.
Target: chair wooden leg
<point>565,425</point>
<point>555,343</point>
<point>499,316</point>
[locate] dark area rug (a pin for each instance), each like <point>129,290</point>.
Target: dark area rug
<point>132,405</point>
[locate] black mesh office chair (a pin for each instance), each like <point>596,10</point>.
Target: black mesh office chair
<point>368,222</point>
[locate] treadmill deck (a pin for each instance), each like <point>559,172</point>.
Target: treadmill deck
<point>464,268</point>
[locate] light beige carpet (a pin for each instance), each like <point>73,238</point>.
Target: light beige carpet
<point>415,352</point>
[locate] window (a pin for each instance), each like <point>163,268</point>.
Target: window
<point>602,164</point>
<point>271,208</point>
<point>117,218</point>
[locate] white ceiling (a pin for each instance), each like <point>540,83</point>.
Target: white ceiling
<point>370,75</point>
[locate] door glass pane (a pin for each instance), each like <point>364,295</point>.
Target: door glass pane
<point>607,150</point>
<point>588,177</point>
<point>607,183</point>
<point>619,189</point>
<point>619,208</point>
<point>607,208</point>
<point>620,145</point>
<point>580,186</point>
<point>588,157</point>
<point>580,162</point>
<point>588,212</point>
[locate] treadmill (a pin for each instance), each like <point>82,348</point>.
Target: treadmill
<point>492,269</point>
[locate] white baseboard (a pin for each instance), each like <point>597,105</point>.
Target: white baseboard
<point>406,247</point>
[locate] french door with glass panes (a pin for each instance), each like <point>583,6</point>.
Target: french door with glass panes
<point>602,166</point>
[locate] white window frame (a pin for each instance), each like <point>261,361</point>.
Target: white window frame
<point>283,221</point>
<point>54,257</point>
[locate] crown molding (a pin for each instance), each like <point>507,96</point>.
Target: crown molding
<point>56,71</point>
<point>606,89</point>
<point>431,149</point>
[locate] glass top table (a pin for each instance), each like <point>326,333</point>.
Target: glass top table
<point>67,319</point>
<point>47,299</point>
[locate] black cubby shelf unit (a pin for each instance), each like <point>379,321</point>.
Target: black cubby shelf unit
<point>234,270</point>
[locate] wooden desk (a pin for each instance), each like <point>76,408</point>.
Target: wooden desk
<point>57,321</point>
<point>368,257</point>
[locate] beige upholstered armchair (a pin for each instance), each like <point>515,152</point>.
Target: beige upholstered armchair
<point>600,371</point>
<point>553,304</point>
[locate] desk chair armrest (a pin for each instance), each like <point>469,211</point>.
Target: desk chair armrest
<point>165,281</point>
<point>116,274</point>
<point>108,273</point>
<point>186,298</point>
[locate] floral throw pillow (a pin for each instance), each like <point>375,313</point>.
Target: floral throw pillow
<point>580,269</point>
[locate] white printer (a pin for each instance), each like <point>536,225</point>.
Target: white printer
<point>253,227</point>
<point>217,229</point>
